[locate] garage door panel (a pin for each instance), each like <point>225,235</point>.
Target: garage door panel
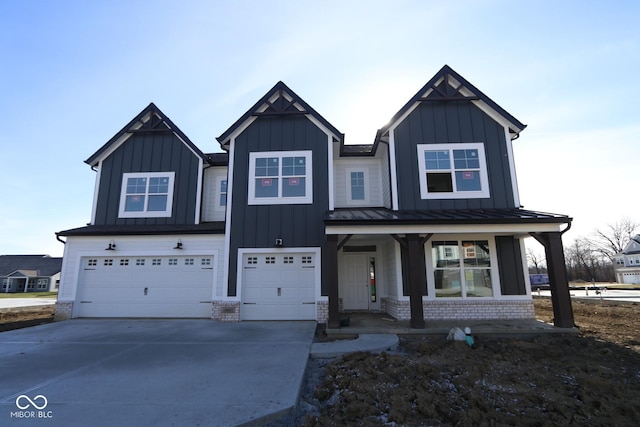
<point>278,286</point>
<point>146,287</point>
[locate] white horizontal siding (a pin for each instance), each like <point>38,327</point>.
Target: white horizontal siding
<point>342,182</point>
<point>211,209</point>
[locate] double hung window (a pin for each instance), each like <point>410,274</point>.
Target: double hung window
<point>452,171</point>
<point>147,194</point>
<point>280,177</point>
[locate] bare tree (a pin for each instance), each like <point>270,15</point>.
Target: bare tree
<point>536,262</point>
<point>614,237</point>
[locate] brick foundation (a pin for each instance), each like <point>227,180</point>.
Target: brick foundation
<point>322,313</point>
<point>64,310</point>
<point>468,310</point>
<point>225,311</point>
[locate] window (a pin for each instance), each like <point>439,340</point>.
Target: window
<point>140,261</point>
<point>288,260</point>
<point>188,261</point>
<point>453,171</point>
<point>357,187</point>
<point>306,260</point>
<point>146,194</point>
<point>42,283</point>
<point>252,260</point>
<point>108,262</point>
<point>156,261</point>
<point>462,269</point>
<point>223,192</point>
<point>124,262</point>
<point>270,260</point>
<point>280,177</point>
<point>205,261</point>
<point>92,262</point>
<point>173,261</point>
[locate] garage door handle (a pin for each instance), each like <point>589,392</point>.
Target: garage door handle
<point>86,302</point>
<point>205,302</point>
<point>249,303</point>
<point>313,302</point>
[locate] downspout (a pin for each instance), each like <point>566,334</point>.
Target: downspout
<point>60,240</point>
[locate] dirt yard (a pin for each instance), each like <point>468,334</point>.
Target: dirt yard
<point>16,318</point>
<point>589,379</point>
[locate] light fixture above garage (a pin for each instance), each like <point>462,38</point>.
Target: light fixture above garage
<point>279,242</point>
<point>112,246</point>
<point>178,245</point>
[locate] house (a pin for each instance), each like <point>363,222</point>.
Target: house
<point>289,222</point>
<point>29,273</point>
<point>627,262</point>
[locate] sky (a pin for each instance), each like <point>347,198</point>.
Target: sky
<point>73,73</point>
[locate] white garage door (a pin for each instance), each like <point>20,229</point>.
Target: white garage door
<point>145,287</point>
<point>278,286</point>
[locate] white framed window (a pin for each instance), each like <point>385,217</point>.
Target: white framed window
<point>145,195</point>
<point>453,171</point>
<point>220,196</point>
<point>357,186</point>
<point>140,261</point>
<point>462,268</point>
<point>280,177</point>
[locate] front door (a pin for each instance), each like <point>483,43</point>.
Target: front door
<point>354,281</point>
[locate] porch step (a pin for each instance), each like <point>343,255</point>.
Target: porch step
<point>374,343</point>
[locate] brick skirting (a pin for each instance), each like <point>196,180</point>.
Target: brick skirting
<point>468,310</point>
<point>64,310</point>
<point>225,311</point>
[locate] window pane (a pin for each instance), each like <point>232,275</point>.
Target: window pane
<point>478,282</point>
<point>468,181</point>
<point>136,185</point>
<point>267,166</point>
<point>134,204</point>
<point>464,159</point>
<point>448,283</point>
<point>159,185</point>
<point>223,200</point>
<point>157,203</point>
<point>439,182</point>
<point>293,187</point>
<point>445,254</point>
<point>437,159</point>
<point>223,186</point>
<point>267,187</point>
<point>293,166</point>
<point>476,253</point>
<point>357,185</point>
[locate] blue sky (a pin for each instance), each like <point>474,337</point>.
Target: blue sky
<point>73,73</point>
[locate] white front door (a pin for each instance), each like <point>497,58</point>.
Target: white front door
<point>354,281</point>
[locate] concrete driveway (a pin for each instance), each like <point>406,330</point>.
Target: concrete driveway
<point>151,372</point>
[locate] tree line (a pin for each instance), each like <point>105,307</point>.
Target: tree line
<point>590,258</point>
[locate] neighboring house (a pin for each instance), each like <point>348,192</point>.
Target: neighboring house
<point>627,262</point>
<point>29,273</point>
<point>290,223</point>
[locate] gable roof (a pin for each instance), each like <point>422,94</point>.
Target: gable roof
<point>279,101</point>
<point>455,88</point>
<point>633,247</point>
<point>151,119</point>
<point>30,265</point>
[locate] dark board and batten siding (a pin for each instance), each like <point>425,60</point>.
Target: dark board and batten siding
<point>510,266</point>
<point>258,226</point>
<point>149,152</point>
<point>451,122</point>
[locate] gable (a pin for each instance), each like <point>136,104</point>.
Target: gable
<point>448,86</point>
<point>633,247</point>
<point>280,101</point>
<point>149,121</point>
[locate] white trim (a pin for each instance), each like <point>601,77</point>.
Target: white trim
<point>227,230</point>
<point>523,229</point>
<point>200,179</point>
<point>455,194</point>
<point>146,214</point>
<point>394,172</point>
<point>330,171</point>
<point>525,268</point>
<point>365,172</point>
<point>280,199</point>
<point>96,189</point>
<point>512,167</point>
<point>243,251</point>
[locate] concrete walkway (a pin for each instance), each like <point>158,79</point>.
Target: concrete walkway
<point>25,302</point>
<point>374,343</point>
<point>151,372</point>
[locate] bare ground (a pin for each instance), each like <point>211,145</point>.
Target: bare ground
<point>589,379</point>
<point>23,317</point>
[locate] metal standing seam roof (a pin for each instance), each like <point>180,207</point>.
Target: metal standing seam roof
<point>375,216</point>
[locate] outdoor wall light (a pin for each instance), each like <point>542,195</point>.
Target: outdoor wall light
<point>178,245</point>
<point>112,246</point>
<point>278,242</point>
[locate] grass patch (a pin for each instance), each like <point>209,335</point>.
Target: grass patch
<point>28,295</point>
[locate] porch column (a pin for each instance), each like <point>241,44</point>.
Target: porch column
<point>560,297</point>
<point>417,268</point>
<point>331,272</point>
